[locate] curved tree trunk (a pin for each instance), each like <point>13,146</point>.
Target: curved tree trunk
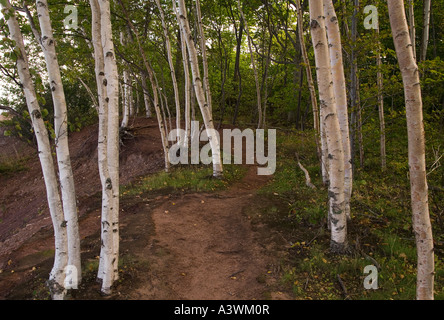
<point>66,177</point>
<point>171,64</point>
<point>416,137</point>
<point>57,274</point>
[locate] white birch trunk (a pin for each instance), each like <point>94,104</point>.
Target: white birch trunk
<point>103,125</point>
<point>426,29</point>
<point>332,128</point>
<point>412,28</point>
<point>186,68</point>
<point>66,177</point>
<point>198,89</point>
<point>380,81</point>
<point>57,274</point>
<point>125,92</point>
<point>417,164</point>
<point>203,45</point>
<point>110,224</point>
<point>340,92</point>
<point>146,98</point>
<point>171,64</point>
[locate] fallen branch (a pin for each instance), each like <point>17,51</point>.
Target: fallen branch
<point>344,289</point>
<point>307,175</point>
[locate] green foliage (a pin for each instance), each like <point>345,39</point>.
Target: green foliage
<point>185,179</point>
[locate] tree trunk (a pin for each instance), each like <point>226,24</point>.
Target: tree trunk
<point>57,274</point>
<point>416,137</point>
<point>253,63</point>
<point>380,80</point>
<point>61,140</point>
<point>171,64</point>
<point>146,97</point>
<point>412,29</point>
<point>198,89</point>
<point>320,145</point>
<point>110,224</point>
<point>332,128</point>
<point>155,89</point>
<point>334,41</point>
<point>203,45</point>
<point>426,28</point>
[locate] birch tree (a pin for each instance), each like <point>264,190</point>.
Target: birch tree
<point>426,29</point>
<point>170,63</point>
<point>155,89</point>
<point>327,100</point>
<point>57,275</point>
<point>47,43</point>
<point>416,145</point>
<point>198,89</point>
<point>340,92</point>
<point>412,28</point>
<point>253,64</point>
<point>109,123</point>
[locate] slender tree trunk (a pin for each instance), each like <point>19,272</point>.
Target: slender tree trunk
<point>332,128</point>
<point>187,89</point>
<point>155,89</point>
<point>146,97</point>
<point>416,137</point>
<point>102,147</point>
<point>354,88</point>
<point>380,80</point>
<point>253,63</point>
<point>203,45</point>
<point>319,135</point>
<point>57,274</point>
<point>412,29</point>
<point>337,65</point>
<point>426,29</point>
<point>171,64</point>
<point>66,177</point>
<point>110,224</point>
<point>198,89</point>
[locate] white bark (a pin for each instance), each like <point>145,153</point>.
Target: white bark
<point>416,138</point>
<point>332,128</point>
<point>146,98</point>
<point>203,48</point>
<point>103,125</point>
<point>334,41</point>
<point>170,63</point>
<point>66,177</point>
<point>110,223</point>
<point>426,29</point>
<point>198,89</point>
<point>155,89</point>
<point>380,81</point>
<point>412,26</point>
<point>57,275</point>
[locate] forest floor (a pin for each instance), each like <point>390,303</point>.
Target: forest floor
<point>174,245</point>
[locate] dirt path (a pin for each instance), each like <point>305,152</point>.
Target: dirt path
<point>173,246</point>
<point>204,248</point>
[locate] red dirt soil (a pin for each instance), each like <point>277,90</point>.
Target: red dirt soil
<point>173,246</point>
